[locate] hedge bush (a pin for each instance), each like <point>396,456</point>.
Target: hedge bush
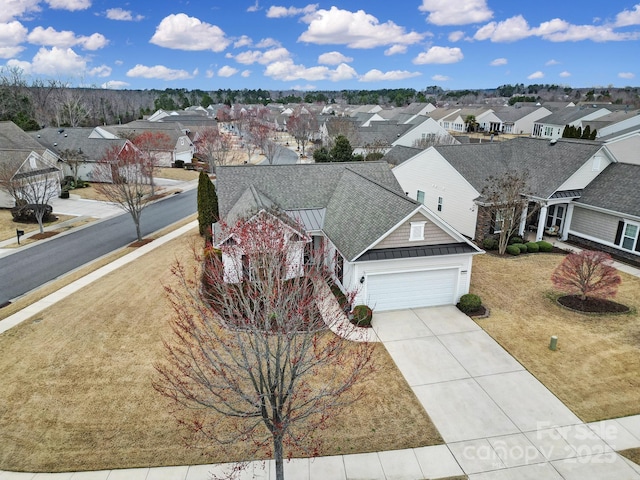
<point>362,316</point>
<point>532,247</point>
<point>544,246</point>
<point>490,244</point>
<point>521,246</point>
<point>340,297</point>
<point>515,240</point>
<point>469,303</point>
<point>513,250</point>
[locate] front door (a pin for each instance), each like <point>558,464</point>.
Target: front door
<point>555,216</point>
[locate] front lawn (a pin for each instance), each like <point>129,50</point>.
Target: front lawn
<point>595,369</point>
<point>8,227</point>
<point>76,384</point>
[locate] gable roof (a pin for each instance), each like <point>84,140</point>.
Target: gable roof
<point>548,164</point>
<point>75,139</point>
<point>615,189</point>
<point>567,115</point>
<point>400,153</point>
<point>12,137</point>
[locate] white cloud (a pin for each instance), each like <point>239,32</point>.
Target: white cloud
<point>565,74</point>
<point>119,62</point>
<point>181,32</point>
<point>287,70</point>
<point>439,55</point>
<point>114,85</point>
<point>227,71</point>
<point>256,56</point>
<point>334,58</point>
<point>499,62</point>
<point>22,65</point>
<point>122,15</point>
<point>440,78</point>
<point>101,71</point>
<point>355,29</point>
<point>246,73</point>
<point>158,71</point>
<point>552,62</point>
<point>55,62</point>
<point>456,36</point>
<point>447,12</point>
<point>71,5</point>
<point>555,30</point>
<point>536,75</point>
<point>281,12</point>
<point>304,88</point>
<point>268,43</point>
<point>12,9</point>
<point>12,34</point>
<point>376,75</point>
<point>243,41</point>
<point>210,73</point>
<point>629,17</point>
<point>50,37</point>
<point>254,8</point>
<point>626,75</point>
<point>395,50</point>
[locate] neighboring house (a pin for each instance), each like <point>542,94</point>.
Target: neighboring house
<point>78,143</point>
<point>614,123</point>
<point>389,248</point>
<point>424,129</point>
<point>552,126</point>
<point>519,120</point>
<point>450,180</point>
<point>22,159</point>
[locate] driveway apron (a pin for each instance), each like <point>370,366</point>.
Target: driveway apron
<point>498,420</point>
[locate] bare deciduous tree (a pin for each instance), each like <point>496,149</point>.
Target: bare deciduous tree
<point>506,197</point>
<point>302,125</point>
<point>123,180</point>
<point>259,352</point>
<point>432,139</point>
<point>152,145</point>
<point>587,274</point>
<point>215,147</point>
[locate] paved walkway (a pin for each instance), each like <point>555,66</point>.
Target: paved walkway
<point>498,421</point>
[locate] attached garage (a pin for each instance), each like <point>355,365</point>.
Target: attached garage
<point>412,289</point>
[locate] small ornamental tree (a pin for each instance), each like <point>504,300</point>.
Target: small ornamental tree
<point>587,274</point>
<point>122,176</point>
<point>259,353</point>
<point>207,205</point>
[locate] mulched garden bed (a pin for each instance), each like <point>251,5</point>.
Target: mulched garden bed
<point>42,236</point>
<point>591,305</point>
<point>141,243</point>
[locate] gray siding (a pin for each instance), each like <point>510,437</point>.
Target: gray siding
<point>433,235</point>
<point>594,224</point>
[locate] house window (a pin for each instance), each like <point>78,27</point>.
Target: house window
<point>498,220</point>
<point>548,131</point>
<point>596,164</point>
<point>182,141</point>
<point>629,236</point>
<point>439,204</point>
<point>420,196</point>
<point>417,231</point>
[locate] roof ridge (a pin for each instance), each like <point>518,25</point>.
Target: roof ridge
<point>403,196</point>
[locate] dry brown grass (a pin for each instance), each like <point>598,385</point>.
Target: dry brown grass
<point>177,174</point>
<point>632,454</point>
<point>8,226</point>
<point>89,193</point>
<point>77,389</point>
<point>595,369</point>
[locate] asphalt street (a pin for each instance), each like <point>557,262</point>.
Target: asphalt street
<point>32,267</point>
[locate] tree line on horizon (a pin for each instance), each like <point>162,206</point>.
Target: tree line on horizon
<point>37,103</point>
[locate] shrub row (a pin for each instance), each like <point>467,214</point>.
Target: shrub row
<point>530,247</point>
<point>362,316</point>
<point>469,303</point>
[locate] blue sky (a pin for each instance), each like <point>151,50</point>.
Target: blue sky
<point>346,44</point>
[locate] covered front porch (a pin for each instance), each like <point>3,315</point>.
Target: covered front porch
<point>550,217</point>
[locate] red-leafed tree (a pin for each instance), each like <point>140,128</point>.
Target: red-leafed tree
<point>152,146</point>
<point>259,352</point>
<point>587,274</point>
<point>215,148</point>
<point>122,176</point>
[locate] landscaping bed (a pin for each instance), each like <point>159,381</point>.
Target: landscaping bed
<point>591,305</point>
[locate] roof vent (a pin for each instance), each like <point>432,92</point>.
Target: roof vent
<point>553,141</point>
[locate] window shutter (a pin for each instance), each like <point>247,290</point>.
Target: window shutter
<point>638,244</point>
<point>619,232</point>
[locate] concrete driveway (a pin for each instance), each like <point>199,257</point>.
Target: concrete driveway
<point>498,420</point>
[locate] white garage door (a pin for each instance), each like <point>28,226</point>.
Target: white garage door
<point>392,291</point>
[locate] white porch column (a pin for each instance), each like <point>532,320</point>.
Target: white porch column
<point>541,223</point>
<point>567,222</point>
<point>523,221</point>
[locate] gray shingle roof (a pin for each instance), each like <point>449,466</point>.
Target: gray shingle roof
<point>421,251</point>
<point>75,139</point>
<point>548,165</point>
<point>566,116</point>
<point>363,200</point>
<point>12,137</point>
<point>400,153</point>
<point>615,189</point>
